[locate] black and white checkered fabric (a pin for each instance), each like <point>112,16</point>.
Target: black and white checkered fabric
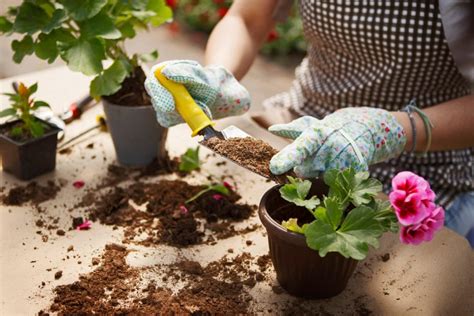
<point>381,54</point>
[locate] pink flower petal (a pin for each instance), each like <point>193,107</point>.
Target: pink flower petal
<point>78,184</point>
<point>424,231</point>
<point>228,185</point>
<point>217,197</point>
<point>87,224</point>
<point>183,209</point>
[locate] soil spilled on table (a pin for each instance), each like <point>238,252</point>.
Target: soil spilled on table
<point>167,217</point>
<point>114,287</point>
<point>32,192</point>
<point>252,154</point>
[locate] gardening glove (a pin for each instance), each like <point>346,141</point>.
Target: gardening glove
<point>351,137</point>
<point>213,88</point>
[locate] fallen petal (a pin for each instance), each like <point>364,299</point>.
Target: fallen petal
<point>78,184</point>
<point>217,197</point>
<point>85,225</point>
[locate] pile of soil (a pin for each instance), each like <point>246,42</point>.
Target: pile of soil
<point>168,218</point>
<point>253,154</point>
<point>132,92</point>
<point>114,287</point>
<point>32,192</point>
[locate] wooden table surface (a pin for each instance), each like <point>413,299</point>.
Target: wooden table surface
<point>433,278</point>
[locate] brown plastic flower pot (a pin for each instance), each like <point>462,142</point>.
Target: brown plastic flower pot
<point>30,158</point>
<point>138,138</point>
<point>300,270</point>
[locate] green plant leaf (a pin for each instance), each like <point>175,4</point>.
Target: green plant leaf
<point>365,190</point>
<point>83,9</point>
<point>189,160</point>
<point>59,16</point>
<point>30,18</point>
<point>33,88</point>
<point>110,80</point>
<point>16,131</point>
<point>5,25</point>
<point>146,58</point>
<point>22,48</point>
<point>85,56</point>
<point>46,47</point>
<point>8,112</point>
<point>385,215</point>
<point>296,192</point>
<point>100,25</point>
<point>292,225</point>
<point>163,12</point>
<point>36,128</point>
<point>331,213</point>
<point>38,104</point>
<point>127,30</point>
<point>359,230</point>
<point>219,188</point>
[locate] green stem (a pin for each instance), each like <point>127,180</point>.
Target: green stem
<point>198,195</point>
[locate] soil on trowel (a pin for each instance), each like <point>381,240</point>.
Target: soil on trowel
<point>132,91</point>
<point>219,288</point>
<point>32,192</point>
<point>166,217</point>
<point>252,154</point>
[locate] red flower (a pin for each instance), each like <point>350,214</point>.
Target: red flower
<point>171,3</point>
<point>221,12</point>
<point>78,184</point>
<point>273,35</point>
<point>173,27</point>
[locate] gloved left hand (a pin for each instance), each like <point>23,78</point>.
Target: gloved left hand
<point>350,137</point>
<point>213,88</point>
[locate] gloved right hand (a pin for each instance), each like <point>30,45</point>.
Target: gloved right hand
<point>213,88</point>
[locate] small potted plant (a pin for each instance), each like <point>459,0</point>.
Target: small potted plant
<point>85,34</point>
<point>318,231</point>
<point>27,144</point>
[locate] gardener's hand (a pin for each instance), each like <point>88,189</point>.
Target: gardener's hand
<point>356,137</point>
<point>213,88</point>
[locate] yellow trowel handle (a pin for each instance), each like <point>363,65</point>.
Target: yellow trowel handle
<point>191,113</point>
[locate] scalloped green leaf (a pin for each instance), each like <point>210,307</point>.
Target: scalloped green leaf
<point>83,9</point>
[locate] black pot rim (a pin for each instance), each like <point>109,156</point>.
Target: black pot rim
<point>54,130</point>
<point>273,226</point>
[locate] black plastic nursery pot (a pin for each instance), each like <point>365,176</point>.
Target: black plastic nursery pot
<point>138,138</point>
<point>299,269</point>
<point>30,158</point>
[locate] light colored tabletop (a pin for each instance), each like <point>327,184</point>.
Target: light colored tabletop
<point>433,278</point>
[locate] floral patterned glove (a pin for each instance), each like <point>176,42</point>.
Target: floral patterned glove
<point>356,137</point>
<point>213,88</point>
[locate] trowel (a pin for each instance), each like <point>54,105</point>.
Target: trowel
<point>195,117</point>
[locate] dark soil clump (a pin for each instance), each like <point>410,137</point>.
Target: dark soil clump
<point>168,218</point>
<point>132,92</point>
<point>253,154</point>
<point>32,192</point>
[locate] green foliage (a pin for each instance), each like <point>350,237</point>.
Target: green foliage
<point>296,192</point>
<point>84,34</point>
<point>349,220</point>
<point>189,160</point>
<point>287,37</point>
<point>21,107</point>
<point>219,188</point>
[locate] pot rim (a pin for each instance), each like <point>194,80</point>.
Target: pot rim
<point>138,107</point>
<point>273,227</point>
<point>54,130</point>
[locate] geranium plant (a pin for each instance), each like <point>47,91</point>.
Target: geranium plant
<point>351,217</point>
<point>22,105</point>
<point>85,34</point>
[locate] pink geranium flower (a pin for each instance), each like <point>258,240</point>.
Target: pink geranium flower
<point>424,231</point>
<point>217,197</point>
<point>412,198</point>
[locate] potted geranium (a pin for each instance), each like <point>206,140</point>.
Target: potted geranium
<point>85,34</point>
<point>27,144</point>
<point>318,231</point>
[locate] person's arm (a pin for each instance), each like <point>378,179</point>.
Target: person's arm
<point>453,123</point>
<point>236,39</point>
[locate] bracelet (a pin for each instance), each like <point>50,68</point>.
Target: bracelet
<point>410,108</point>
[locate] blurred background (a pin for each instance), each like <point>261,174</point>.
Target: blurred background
<point>185,38</point>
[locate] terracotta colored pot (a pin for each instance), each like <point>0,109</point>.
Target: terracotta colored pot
<point>300,270</point>
<point>30,158</point>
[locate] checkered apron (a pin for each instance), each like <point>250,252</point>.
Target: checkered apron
<point>381,54</point>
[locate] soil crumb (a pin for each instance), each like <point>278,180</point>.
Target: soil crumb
<point>32,192</point>
<point>115,288</point>
<point>253,154</point>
